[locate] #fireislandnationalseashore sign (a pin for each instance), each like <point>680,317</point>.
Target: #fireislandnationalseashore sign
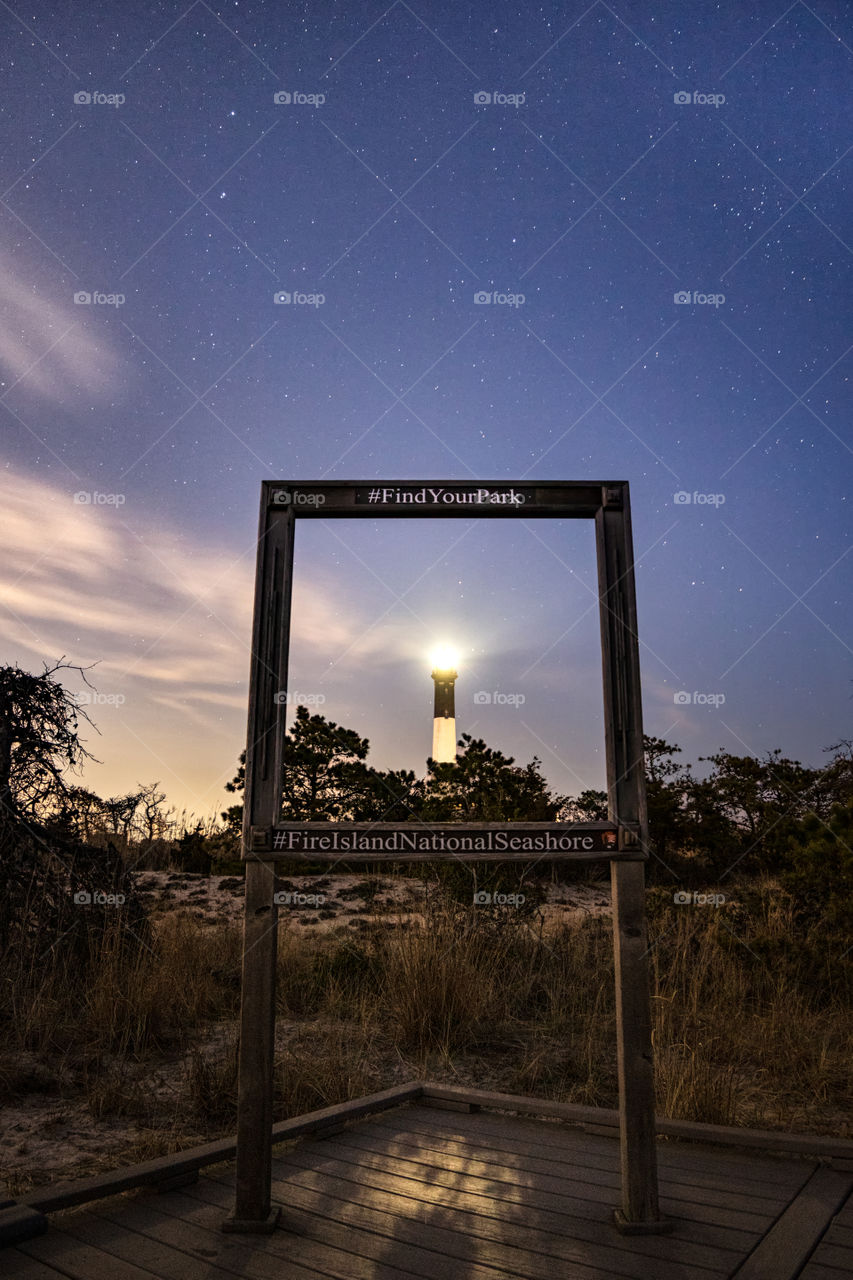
<point>415,841</point>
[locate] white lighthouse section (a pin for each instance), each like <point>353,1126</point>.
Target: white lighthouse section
<point>444,739</point>
<point>444,714</point>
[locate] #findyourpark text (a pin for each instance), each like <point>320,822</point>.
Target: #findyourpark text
<point>510,497</point>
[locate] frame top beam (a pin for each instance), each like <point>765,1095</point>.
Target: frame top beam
<point>447,498</point>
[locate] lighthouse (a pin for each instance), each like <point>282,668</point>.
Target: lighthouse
<point>444,713</point>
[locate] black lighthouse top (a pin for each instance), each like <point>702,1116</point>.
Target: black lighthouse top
<point>444,700</point>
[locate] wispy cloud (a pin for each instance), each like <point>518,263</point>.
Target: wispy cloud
<point>167,619</point>
<point>149,604</point>
<point>46,346</point>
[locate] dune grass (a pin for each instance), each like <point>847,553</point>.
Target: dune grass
<point>751,1016</point>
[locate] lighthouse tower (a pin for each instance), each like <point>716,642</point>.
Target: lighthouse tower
<point>444,715</point>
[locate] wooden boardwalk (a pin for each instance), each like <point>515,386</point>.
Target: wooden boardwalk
<point>421,1192</point>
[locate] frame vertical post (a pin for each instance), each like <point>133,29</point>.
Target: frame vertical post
<point>261,808</point>
<point>627,804</point>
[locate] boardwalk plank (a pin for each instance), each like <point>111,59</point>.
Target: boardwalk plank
<point>16,1266</point>
<point>839,1234</point>
<point>487,1217</point>
<point>505,1166</point>
<point>402,1244</point>
<point>790,1144</point>
<point>567,1156</point>
<point>81,1261</point>
<point>169,1229</point>
<point>835,1255</point>
<point>575,1197</point>
<point>427,1249</point>
<point>496,1241</point>
<point>844,1217</point>
<point>115,1231</point>
<point>835,1251</point>
<point>372,1186</point>
<point>785,1249</point>
<point>553,1132</point>
<point>483,1215</point>
<point>765,1169</point>
<point>764,1176</point>
<point>814,1271</point>
<point>493,1164</point>
<point>325,1216</point>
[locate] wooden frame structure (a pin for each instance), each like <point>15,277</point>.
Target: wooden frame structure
<point>622,840</point>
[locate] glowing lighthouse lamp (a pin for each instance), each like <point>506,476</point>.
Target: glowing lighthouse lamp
<point>444,716</point>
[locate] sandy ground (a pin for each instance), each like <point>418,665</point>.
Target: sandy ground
<point>346,899</point>
<point>47,1137</point>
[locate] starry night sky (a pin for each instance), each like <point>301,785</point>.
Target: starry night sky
<point>581,198</point>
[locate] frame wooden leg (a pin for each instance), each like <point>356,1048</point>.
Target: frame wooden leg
<point>639,1212</point>
<point>252,1211</point>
